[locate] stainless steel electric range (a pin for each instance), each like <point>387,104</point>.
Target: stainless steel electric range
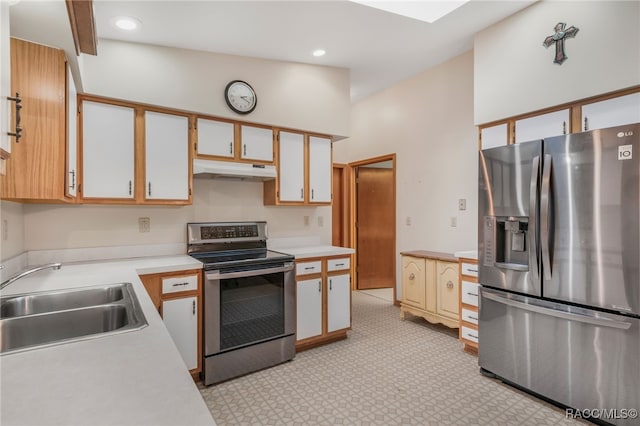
<point>249,299</point>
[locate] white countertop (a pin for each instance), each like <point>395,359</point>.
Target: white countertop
<point>469,254</point>
<point>133,378</point>
<point>315,251</point>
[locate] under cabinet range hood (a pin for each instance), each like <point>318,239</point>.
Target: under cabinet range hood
<point>232,171</point>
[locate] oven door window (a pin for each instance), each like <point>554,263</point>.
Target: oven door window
<point>252,309</point>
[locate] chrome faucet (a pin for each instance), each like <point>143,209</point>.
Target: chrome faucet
<point>29,271</point>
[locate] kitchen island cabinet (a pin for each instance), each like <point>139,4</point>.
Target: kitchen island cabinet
<point>430,287</point>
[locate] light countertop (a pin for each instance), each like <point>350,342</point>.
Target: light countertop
<point>315,251</point>
<point>468,254</point>
<point>133,378</point>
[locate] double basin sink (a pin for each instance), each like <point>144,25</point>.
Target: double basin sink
<point>34,320</point>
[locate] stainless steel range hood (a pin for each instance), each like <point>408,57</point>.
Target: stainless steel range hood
<point>232,171</point>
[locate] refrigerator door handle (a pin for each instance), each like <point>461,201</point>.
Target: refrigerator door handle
<point>528,306</point>
<point>544,217</point>
<point>533,214</point>
<point>512,266</point>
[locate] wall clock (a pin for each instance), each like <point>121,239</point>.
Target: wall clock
<point>240,97</point>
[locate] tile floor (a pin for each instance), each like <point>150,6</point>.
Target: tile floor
<point>388,372</point>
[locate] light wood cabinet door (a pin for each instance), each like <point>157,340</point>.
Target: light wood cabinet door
<point>309,308</point>
<point>447,289</point>
<point>167,156</point>
<point>180,316</point>
<point>291,167</point>
<point>37,167</point>
<point>543,126</point>
<point>320,170</point>
<point>215,138</point>
<point>338,302</point>
<point>6,107</point>
<point>107,151</point>
<point>611,112</point>
<point>256,144</point>
<point>413,281</point>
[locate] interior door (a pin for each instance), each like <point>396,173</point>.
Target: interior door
<point>375,227</point>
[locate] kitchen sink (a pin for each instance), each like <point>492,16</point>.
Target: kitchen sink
<point>30,321</point>
<point>38,303</point>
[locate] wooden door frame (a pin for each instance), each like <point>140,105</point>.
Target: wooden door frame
<point>353,215</point>
<point>346,203</point>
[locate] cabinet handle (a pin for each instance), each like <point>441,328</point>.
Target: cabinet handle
<point>244,149</point>
<point>473,318</point>
<point>18,133</point>
<point>471,335</point>
<point>586,124</point>
<point>449,284</point>
<point>194,307</point>
<point>73,179</point>
<point>308,268</point>
<point>339,264</point>
<point>564,127</point>
<point>230,147</point>
<point>312,194</point>
<point>412,276</point>
<point>129,187</point>
<point>319,286</point>
<point>179,284</point>
<point>330,284</point>
<point>472,294</point>
<point>302,193</point>
<point>149,189</point>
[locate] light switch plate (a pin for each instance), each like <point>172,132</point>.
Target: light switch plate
<point>462,204</point>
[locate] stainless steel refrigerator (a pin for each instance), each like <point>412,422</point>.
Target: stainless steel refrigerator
<point>559,256</point>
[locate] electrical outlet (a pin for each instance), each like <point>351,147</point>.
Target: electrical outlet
<point>454,221</point>
<point>5,229</point>
<point>144,224</point>
<point>320,221</point>
<point>462,204</point>
<point>408,221</point>
<point>306,220</point>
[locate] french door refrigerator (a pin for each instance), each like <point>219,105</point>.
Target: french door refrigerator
<point>559,256</point>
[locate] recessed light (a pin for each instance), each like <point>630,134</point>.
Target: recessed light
<point>126,23</point>
<point>319,52</point>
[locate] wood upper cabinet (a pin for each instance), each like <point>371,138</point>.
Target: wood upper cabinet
<point>37,167</point>
<point>304,171</point>
<point>494,136</point>
<point>611,112</point>
<point>108,151</point>
<point>256,144</point>
<point>215,138</point>
<point>320,170</point>
<point>71,186</point>
<point>5,81</point>
<point>133,156</point>
<point>166,156</point>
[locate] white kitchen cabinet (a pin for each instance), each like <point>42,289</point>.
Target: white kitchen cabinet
<point>338,302</point>
<point>167,156</point>
<point>611,112</point>
<point>108,169</point>
<point>543,126</point>
<point>215,138</point>
<point>291,167</point>
<point>6,106</point>
<point>494,136</point>
<point>309,307</point>
<point>256,144</point>
<point>180,316</point>
<point>320,170</point>
<point>72,141</point>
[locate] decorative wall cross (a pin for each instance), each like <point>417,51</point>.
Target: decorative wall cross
<point>558,39</point>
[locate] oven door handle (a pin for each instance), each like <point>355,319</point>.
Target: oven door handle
<point>217,275</point>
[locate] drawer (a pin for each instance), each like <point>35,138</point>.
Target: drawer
<point>175,284</point>
<point>469,334</point>
<point>469,316</point>
<point>469,269</point>
<point>470,293</point>
<point>307,268</point>
<point>338,264</point>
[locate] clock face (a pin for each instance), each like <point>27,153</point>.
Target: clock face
<point>240,97</point>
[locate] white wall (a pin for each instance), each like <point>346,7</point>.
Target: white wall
<point>11,217</point>
<point>428,122</point>
<point>515,74</point>
<point>68,226</point>
<point>300,96</point>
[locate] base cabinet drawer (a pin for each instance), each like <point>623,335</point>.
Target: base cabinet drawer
<point>469,316</point>
<point>469,334</point>
<point>176,284</point>
<point>308,268</point>
<point>469,293</point>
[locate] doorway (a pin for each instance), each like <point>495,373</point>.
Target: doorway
<point>374,222</point>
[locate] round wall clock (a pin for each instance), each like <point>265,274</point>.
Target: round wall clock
<point>240,97</point>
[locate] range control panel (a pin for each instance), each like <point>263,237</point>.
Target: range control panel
<point>228,231</point>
